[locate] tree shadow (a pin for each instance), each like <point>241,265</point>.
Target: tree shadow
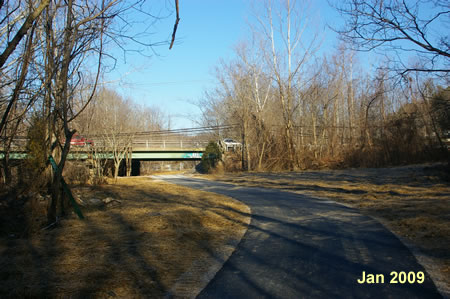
<point>296,244</point>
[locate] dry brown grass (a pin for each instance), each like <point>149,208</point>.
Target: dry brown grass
<point>140,248</point>
<point>413,202</point>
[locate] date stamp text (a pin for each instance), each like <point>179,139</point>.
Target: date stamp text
<point>395,278</point>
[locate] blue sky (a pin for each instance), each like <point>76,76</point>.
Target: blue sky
<point>207,32</point>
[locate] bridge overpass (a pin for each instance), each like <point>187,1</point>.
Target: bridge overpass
<point>142,150</point>
<point>167,150</point>
<point>162,145</point>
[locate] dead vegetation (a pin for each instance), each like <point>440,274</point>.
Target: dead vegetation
<point>412,201</point>
<point>141,246</point>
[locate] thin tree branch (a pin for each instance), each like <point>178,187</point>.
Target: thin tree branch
<point>177,20</point>
<point>22,31</point>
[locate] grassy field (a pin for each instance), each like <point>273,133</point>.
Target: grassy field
<point>412,201</point>
<point>153,239</point>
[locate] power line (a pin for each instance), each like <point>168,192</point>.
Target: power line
<point>186,131</point>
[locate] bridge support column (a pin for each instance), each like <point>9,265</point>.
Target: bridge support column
<point>135,167</point>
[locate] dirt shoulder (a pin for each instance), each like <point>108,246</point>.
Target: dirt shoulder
<point>141,238</point>
<point>411,201</point>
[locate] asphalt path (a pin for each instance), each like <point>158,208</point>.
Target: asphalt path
<point>297,246</point>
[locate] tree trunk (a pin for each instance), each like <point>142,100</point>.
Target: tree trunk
<point>6,169</point>
<point>129,161</point>
<point>247,150</point>
<point>243,149</point>
<point>58,202</point>
<point>288,139</point>
<point>116,169</point>
<point>261,155</point>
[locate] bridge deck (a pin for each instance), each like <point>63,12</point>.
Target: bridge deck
<point>137,154</point>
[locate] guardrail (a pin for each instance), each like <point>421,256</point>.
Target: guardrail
<point>169,144</point>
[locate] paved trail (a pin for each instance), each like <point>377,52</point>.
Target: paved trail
<point>301,247</point>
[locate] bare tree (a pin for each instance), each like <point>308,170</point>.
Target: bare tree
<point>258,89</point>
<point>16,101</point>
<point>47,49</point>
<point>287,51</point>
<point>297,110</point>
<point>67,44</point>
<point>402,28</point>
<point>75,33</point>
<point>112,122</point>
<point>17,41</point>
<point>113,119</point>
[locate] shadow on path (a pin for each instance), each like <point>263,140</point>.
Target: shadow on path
<point>301,247</point>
